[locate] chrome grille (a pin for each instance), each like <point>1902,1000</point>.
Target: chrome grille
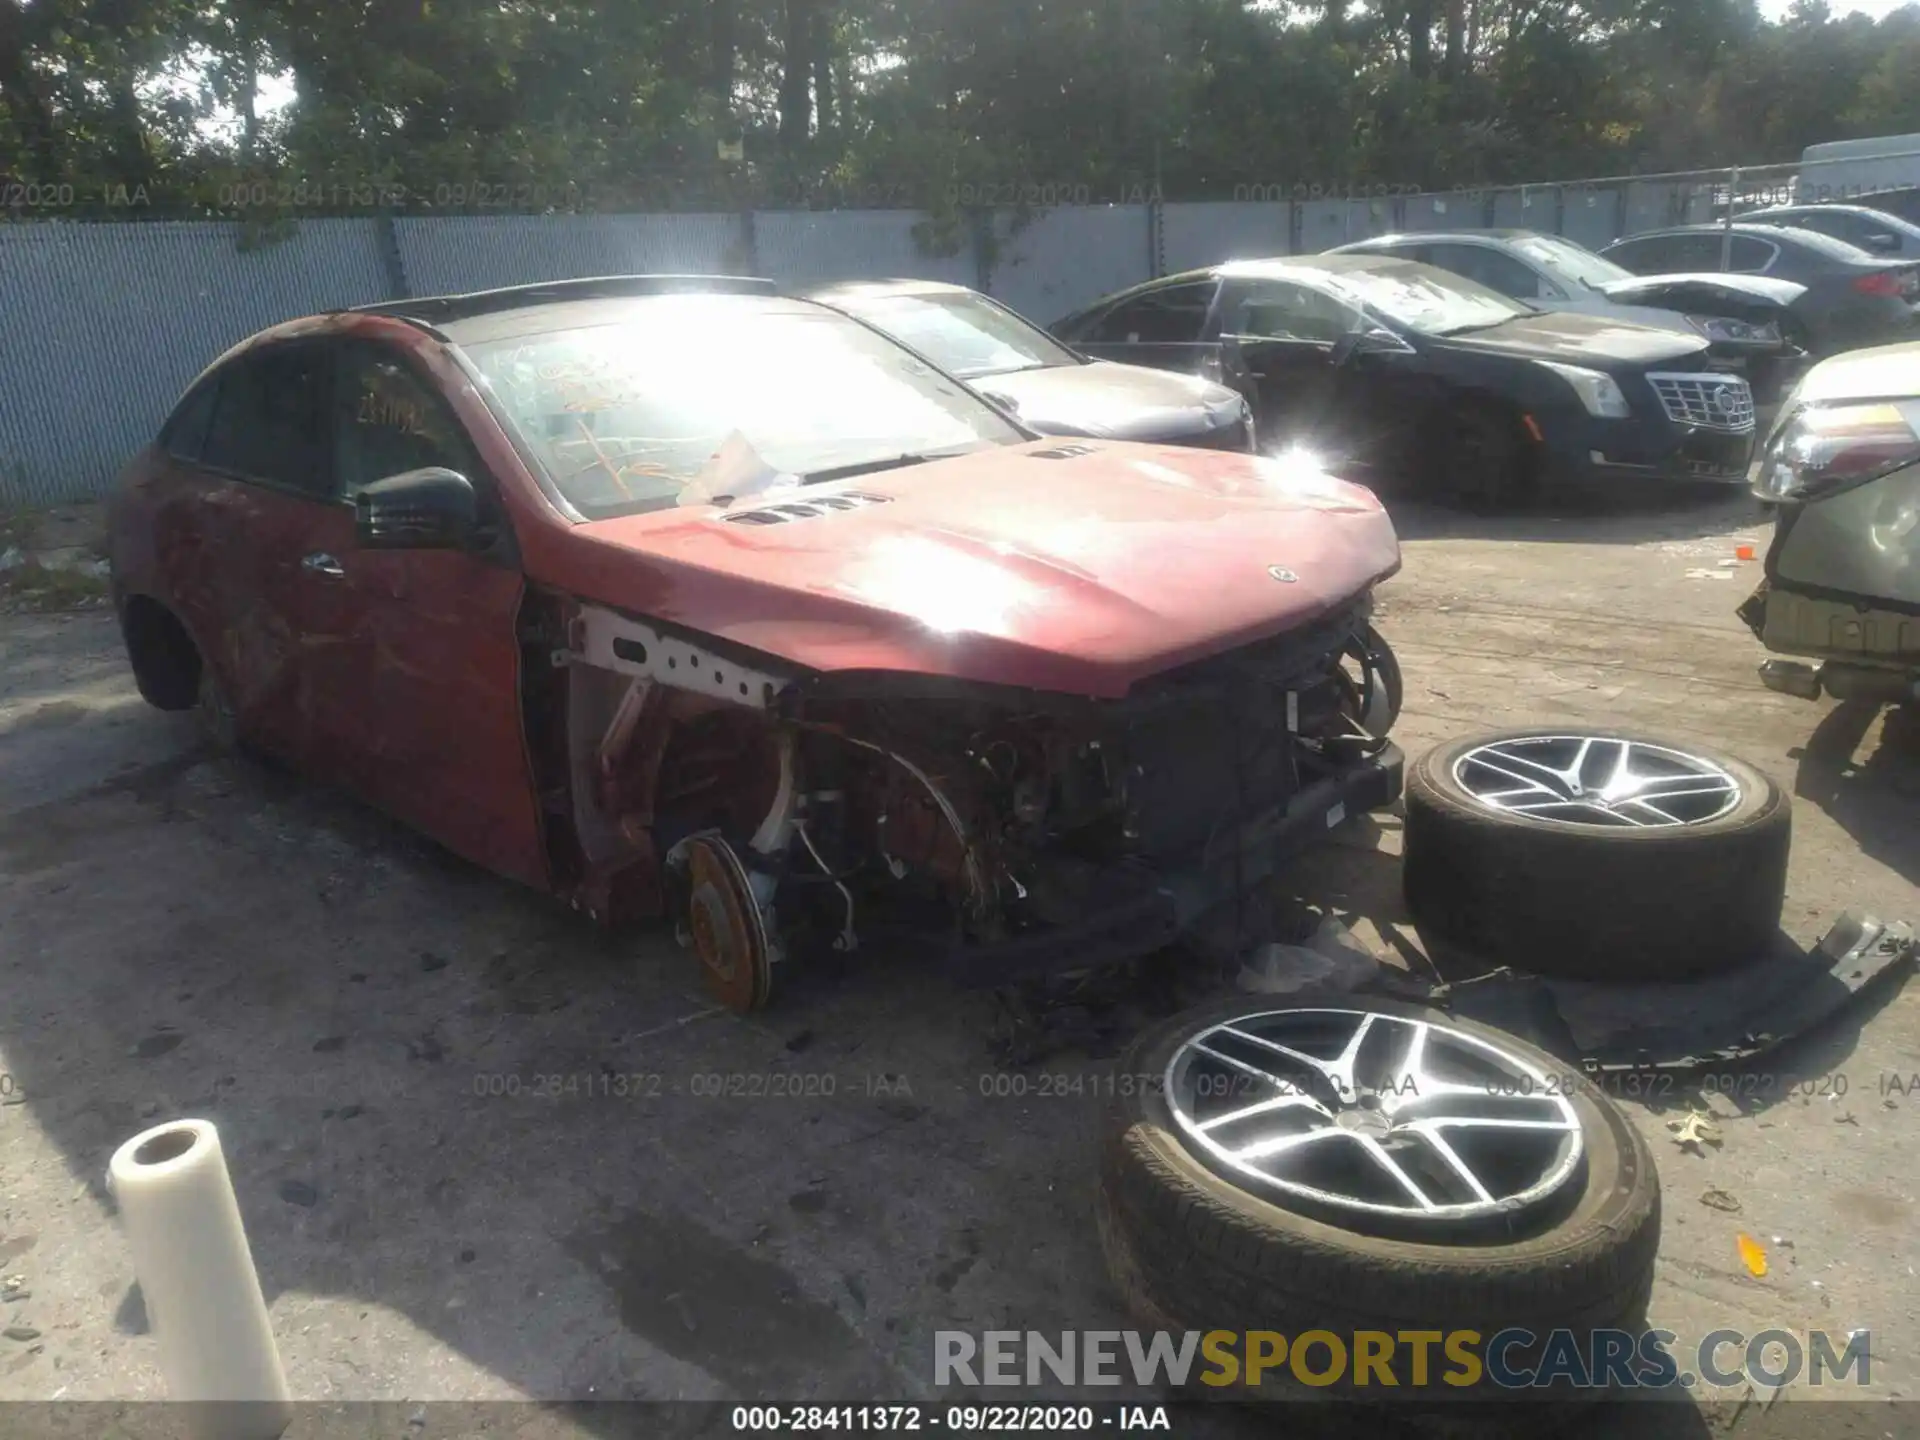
<point>1707,402</point>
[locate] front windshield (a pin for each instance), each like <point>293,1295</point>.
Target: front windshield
<point>964,334</point>
<point>1570,261</point>
<point>626,415</point>
<point>1433,302</point>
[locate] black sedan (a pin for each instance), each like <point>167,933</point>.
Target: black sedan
<point>1044,384</point>
<point>1852,298</point>
<point>1384,366</point>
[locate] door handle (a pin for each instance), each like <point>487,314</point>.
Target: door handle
<point>321,563</point>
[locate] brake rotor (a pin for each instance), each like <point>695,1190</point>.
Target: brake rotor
<point>728,935</point>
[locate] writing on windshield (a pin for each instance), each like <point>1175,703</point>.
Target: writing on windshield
<point>626,415</point>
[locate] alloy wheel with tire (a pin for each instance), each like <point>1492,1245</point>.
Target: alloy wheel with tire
<point>1596,855</point>
<point>1369,1165</point>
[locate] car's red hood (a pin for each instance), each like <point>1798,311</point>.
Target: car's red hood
<point>1079,567</point>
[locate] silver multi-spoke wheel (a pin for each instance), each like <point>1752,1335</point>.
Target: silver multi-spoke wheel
<point>1596,780</point>
<point>1374,1160</point>
<point>1373,1114</point>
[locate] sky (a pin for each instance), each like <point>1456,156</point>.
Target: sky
<point>1775,9</point>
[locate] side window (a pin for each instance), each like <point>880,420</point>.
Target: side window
<point>1697,252</point>
<point>1841,227</point>
<point>1751,255</point>
<point>1668,254</point>
<point>186,429</point>
<point>387,421</point>
<point>1640,256</point>
<point>1175,315</point>
<point>1272,310</point>
<point>266,422</point>
<point>1492,268</point>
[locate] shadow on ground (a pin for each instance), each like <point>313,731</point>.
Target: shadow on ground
<point>1874,796</point>
<point>484,1152</point>
<point>1631,515</point>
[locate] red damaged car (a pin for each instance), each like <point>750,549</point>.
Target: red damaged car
<point>681,596</point>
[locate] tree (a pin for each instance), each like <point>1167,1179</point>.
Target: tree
<point>609,102</point>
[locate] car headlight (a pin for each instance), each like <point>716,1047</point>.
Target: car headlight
<point>1598,391</point>
<point>1721,327</point>
<point>1823,446</point>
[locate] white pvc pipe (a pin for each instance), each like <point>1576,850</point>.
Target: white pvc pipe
<point>196,1273</point>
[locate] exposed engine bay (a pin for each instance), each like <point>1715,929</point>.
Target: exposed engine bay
<point>773,811</point>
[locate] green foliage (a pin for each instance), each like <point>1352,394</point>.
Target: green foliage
<point>945,105</point>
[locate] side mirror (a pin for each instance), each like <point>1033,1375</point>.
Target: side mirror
<point>430,509</point>
<point>1356,343</point>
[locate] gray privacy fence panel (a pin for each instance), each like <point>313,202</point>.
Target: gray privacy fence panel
<point>1192,236</point>
<point>1529,209</point>
<point>1068,257</point>
<point>1590,215</point>
<point>814,247</point>
<point>1656,204</point>
<point>106,325</point>
<point>452,253</point>
<point>1466,210</point>
<point>1326,223</point>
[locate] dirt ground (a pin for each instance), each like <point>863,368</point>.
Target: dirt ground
<point>182,935</point>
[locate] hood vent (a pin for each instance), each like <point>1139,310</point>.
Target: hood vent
<point>805,509</point>
<point>1061,452</point>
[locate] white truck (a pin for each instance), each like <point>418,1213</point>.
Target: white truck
<point>1882,172</point>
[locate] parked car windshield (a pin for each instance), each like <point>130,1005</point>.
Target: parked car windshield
<point>1433,302</point>
<point>965,334</point>
<point>1571,262</point>
<point>629,414</point>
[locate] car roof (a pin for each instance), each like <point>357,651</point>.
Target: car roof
<point>1349,263</point>
<point>439,310</point>
<point>1405,237</point>
<point>848,289</point>
<point>1739,227</point>
<point>1864,211</point>
<point>587,314</point>
<point>1822,205</point>
<point>1812,240</point>
<point>1273,267</point>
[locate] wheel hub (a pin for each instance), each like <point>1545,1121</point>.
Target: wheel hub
<point>728,935</point>
<point>1596,780</point>
<point>1369,1116</point>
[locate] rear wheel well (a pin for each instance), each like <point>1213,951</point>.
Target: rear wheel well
<point>166,662</point>
<point>1497,468</point>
